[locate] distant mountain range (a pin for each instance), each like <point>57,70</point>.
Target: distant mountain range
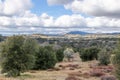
<point>115,33</point>
<point>84,33</point>
<point>78,32</point>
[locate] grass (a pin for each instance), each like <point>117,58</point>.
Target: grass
<point>55,75</point>
<point>52,75</point>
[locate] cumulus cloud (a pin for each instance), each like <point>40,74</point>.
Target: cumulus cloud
<point>31,23</point>
<point>109,8</point>
<point>18,18</point>
<point>5,21</point>
<point>103,22</point>
<point>55,2</point>
<point>70,21</point>
<point>28,19</point>
<point>47,20</point>
<point>14,7</point>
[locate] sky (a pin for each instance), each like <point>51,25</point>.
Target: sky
<point>59,16</point>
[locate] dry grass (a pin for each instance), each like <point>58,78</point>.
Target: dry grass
<point>54,75</point>
<point>81,72</point>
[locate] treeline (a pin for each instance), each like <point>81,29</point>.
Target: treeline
<point>2,38</point>
<point>78,44</point>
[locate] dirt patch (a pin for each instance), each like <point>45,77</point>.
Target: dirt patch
<point>67,71</point>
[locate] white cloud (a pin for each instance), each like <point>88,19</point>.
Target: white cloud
<point>109,8</point>
<point>47,20</point>
<point>14,7</point>
<point>5,21</point>
<point>70,21</point>
<point>103,22</point>
<point>104,15</point>
<point>56,2</point>
<point>31,23</point>
<point>28,19</point>
<point>16,17</point>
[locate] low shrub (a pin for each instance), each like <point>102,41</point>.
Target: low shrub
<point>104,57</point>
<point>89,54</point>
<point>60,55</point>
<point>45,59</point>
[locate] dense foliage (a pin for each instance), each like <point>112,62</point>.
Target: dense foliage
<point>104,57</point>
<point>116,61</point>
<point>60,55</point>
<point>1,38</point>
<point>89,53</point>
<point>45,58</point>
<point>17,55</point>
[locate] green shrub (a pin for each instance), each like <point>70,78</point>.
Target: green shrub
<point>89,53</point>
<point>1,38</point>
<point>17,55</point>
<point>45,59</point>
<point>116,61</point>
<point>76,50</point>
<point>104,57</point>
<point>60,55</point>
<point>13,73</point>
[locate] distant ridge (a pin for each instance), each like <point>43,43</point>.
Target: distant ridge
<point>78,32</point>
<point>114,33</point>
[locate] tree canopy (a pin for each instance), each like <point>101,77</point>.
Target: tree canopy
<point>17,55</point>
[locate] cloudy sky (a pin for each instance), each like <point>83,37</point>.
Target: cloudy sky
<point>59,16</point>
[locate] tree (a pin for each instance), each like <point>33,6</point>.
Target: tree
<point>89,53</point>
<point>59,54</point>
<point>1,38</point>
<point>104,57</point>
<point>17,54</point>
<point>68,53</point>
<point>45,58</point>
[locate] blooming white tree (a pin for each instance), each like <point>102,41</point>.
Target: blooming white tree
<point>68,53</point>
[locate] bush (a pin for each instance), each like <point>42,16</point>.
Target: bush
<point>1,38</point>
<point>76,50</point>
<point>60,55</point>
<point>68,53</point>
<point>104,57</point>
<point>89,53</point>
<point>17,55</point>
<point>45,59</point>
<point>116,62</point>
